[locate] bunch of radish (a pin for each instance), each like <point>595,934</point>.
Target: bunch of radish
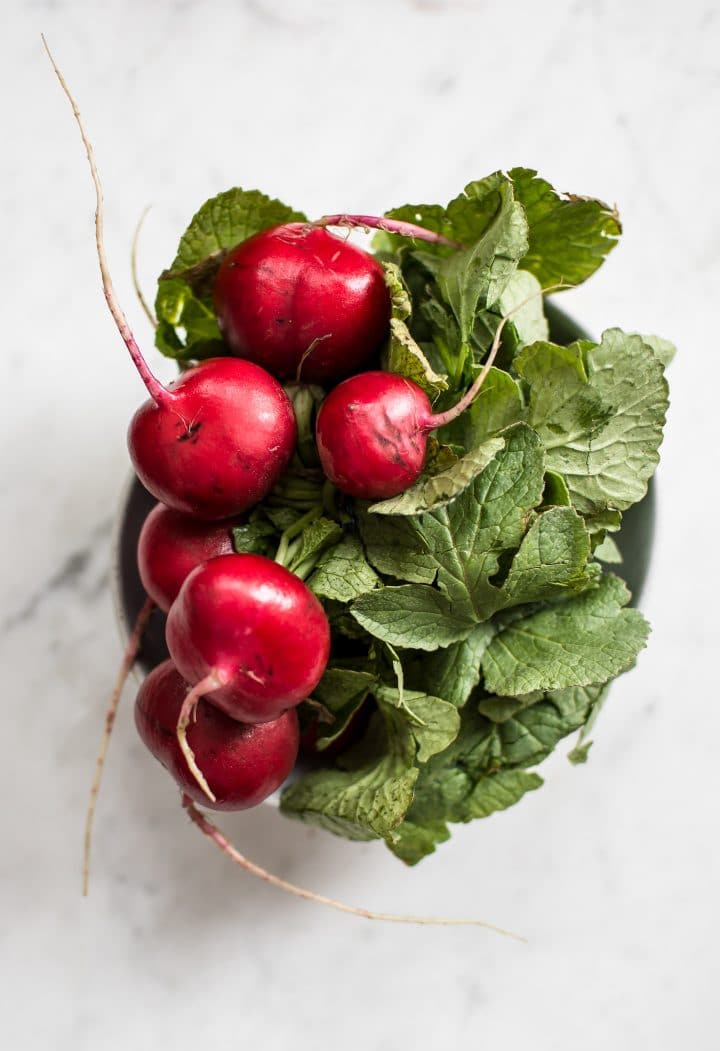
<point>248,640</point>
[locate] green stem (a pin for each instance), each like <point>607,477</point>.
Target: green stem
<point>283,549</point>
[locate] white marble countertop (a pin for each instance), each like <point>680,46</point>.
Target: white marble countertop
<point>612,870</point>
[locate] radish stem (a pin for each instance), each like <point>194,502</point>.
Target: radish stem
<point>207,685</point>
<point>442,418</point>
<point>128,660</point>
<point>391,226</point>
<point>134,270</point>
<point>159,393</point>
<point>213,832</point>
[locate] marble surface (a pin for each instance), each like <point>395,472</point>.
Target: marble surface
<point>611,870</point>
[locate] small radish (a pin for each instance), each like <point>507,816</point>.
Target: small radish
<point>305,304</point>
<point>242,764</point>
<point>372,434</point>
<point>372,429</point>
<point>250,636</point>
<point>171,545</point>
<point>214,442</point>
<point>302,303</point>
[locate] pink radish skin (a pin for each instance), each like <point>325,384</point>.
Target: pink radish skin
<point>254,628</point>
<point>171,545</point>
<point>372,429</point>
<point>218,442</point>
<point>372,434</point>
<point>242,764</point>
<point>302,303</point>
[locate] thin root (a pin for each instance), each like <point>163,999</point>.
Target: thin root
<point>128,660</point>
<point>213,832</point>
<point>443,418</point>
<point>188,712</point>
<point>134,270</point>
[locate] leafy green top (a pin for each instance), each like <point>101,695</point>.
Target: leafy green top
<point>473,624</point>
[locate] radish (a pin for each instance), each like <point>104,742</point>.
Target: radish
<point>214,442</point>
<point>302,303</point>
<point>171,545</point>
<point>243,764</point>
<point>372,429</point>
<point>251,637</point>
<point>305,304</point>
<point>372,434</point>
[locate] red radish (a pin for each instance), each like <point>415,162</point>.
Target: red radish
<point>372,434</point>
<point>242,764</point>
<point>372,429</point>
<point>216,440</point>
<point>171,545</point>
<point>302,303</point>
<point>250,635</point>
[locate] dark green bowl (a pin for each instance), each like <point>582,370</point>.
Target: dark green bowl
<point>634,539</point>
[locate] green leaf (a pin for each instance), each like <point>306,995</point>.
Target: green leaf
<point>343,573</point>
<point>467,537</point>
<point>405,357</point>
<point>498,405</point>
<point>366,801</point>
<point>436,490</point>
<point>400,303</point>
<point>522,302</point>
<point>395,548</point>
<point>454,672</point>
<point>569,236</point>
<point>608,551</point>
<point>319,535</point>
<point>599,410</point>
<point>432,722</point>
<point>556,492</point>
<point>411,843</point>
<point>226,220</point>
<point>414,616</point>
<point>531,734</point>
<point>342,691</point>
<point>256,537</point>
<point>581,641</point>
<point>551,560</point>
<point>458,785</point>
<point>480,273</point>
<point>663,349</point>
<point>187,328</point>
<point>465,540</point>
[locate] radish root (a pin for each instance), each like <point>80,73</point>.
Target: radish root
<point>213,832</point>
<point>128,660</point>
<point>134,270</point>
<point>442,418</point>
<point>159,394</point>
<point>187,712</point>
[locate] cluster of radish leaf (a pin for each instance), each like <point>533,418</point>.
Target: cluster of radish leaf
<point>471,611</point>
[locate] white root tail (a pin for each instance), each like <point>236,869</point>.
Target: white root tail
<point>160,394</point>
<point>129,658</point>
<point>134,270</point>
<point>187,712</point>
<point>213,832</point>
